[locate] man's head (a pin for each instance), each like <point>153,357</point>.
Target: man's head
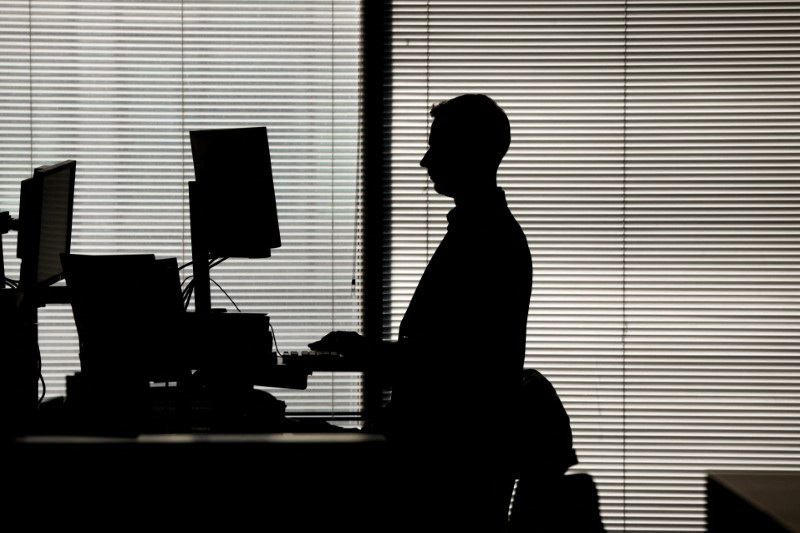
<point>469,137</point>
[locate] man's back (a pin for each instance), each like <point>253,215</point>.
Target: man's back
<point>465,326</point>
<point>455,393</point>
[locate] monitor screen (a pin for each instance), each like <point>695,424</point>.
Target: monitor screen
<point>126,310</point>
<point>233,174</point>
<point>45,223</point>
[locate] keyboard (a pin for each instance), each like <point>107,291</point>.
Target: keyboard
<point>314,360</point>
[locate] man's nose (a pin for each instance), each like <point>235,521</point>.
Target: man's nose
<point>424,161</point>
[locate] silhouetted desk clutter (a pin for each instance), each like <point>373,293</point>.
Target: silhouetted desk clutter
<point>131,310</point>
<point>167,421</point>
<point>150,366</point>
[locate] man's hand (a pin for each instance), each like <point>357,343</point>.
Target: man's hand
<point>348,343</point>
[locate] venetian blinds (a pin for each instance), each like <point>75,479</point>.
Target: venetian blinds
<point>118,86</point>
<point>654,168</point>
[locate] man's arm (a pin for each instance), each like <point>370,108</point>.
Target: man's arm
<point>363,352</point>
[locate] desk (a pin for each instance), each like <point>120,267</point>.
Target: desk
<point>293,481</point>
<point>763,502</point>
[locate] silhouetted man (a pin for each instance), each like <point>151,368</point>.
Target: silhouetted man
<point>456,368</point>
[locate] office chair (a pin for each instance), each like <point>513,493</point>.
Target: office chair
<point>546,498</point>
<point>563,504</point>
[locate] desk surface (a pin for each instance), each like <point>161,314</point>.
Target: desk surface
<point>346,438</point>
<point>301,481</point>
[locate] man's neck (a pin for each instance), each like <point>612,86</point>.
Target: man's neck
<point>476,196</point>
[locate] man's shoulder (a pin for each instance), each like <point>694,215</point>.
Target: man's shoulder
<point>508,233</point>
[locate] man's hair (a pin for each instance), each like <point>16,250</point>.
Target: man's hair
<point>478,122</point>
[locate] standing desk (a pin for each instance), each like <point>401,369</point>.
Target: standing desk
<point>294,481</point>
<point>273,482</point>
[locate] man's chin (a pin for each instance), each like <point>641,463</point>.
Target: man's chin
<point>444,191</point>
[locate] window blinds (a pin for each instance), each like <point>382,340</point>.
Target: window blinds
<point>711,352</point>
<point>654,168</point>
<point>118,86</point>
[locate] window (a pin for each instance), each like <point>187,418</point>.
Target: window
<point>654,168</point>
<point>118,86</point>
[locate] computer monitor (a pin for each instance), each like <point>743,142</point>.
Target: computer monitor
<point>45,224</point>
<point>234,196</point>
<point>232,201</point>
<point>127,310</point>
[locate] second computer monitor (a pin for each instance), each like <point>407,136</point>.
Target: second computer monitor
<point>233,173</point>
<point>45,224</point>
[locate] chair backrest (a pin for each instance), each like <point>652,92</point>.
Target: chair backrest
<point>562,504</point>
<point>545,435</point>
<point>547,499</point>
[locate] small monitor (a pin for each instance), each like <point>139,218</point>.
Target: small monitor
<point>233,183</point>
<point>126,310</point>
<point>45,224</point>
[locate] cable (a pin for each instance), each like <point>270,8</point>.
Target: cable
<point>187,298</point>
<point>214,262</point>
<point>41,374</point>
<point>44,387</point>
<point>185,265</point>
<point>226,294</point>
<point>274,338</point>
<point>188,291</point>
